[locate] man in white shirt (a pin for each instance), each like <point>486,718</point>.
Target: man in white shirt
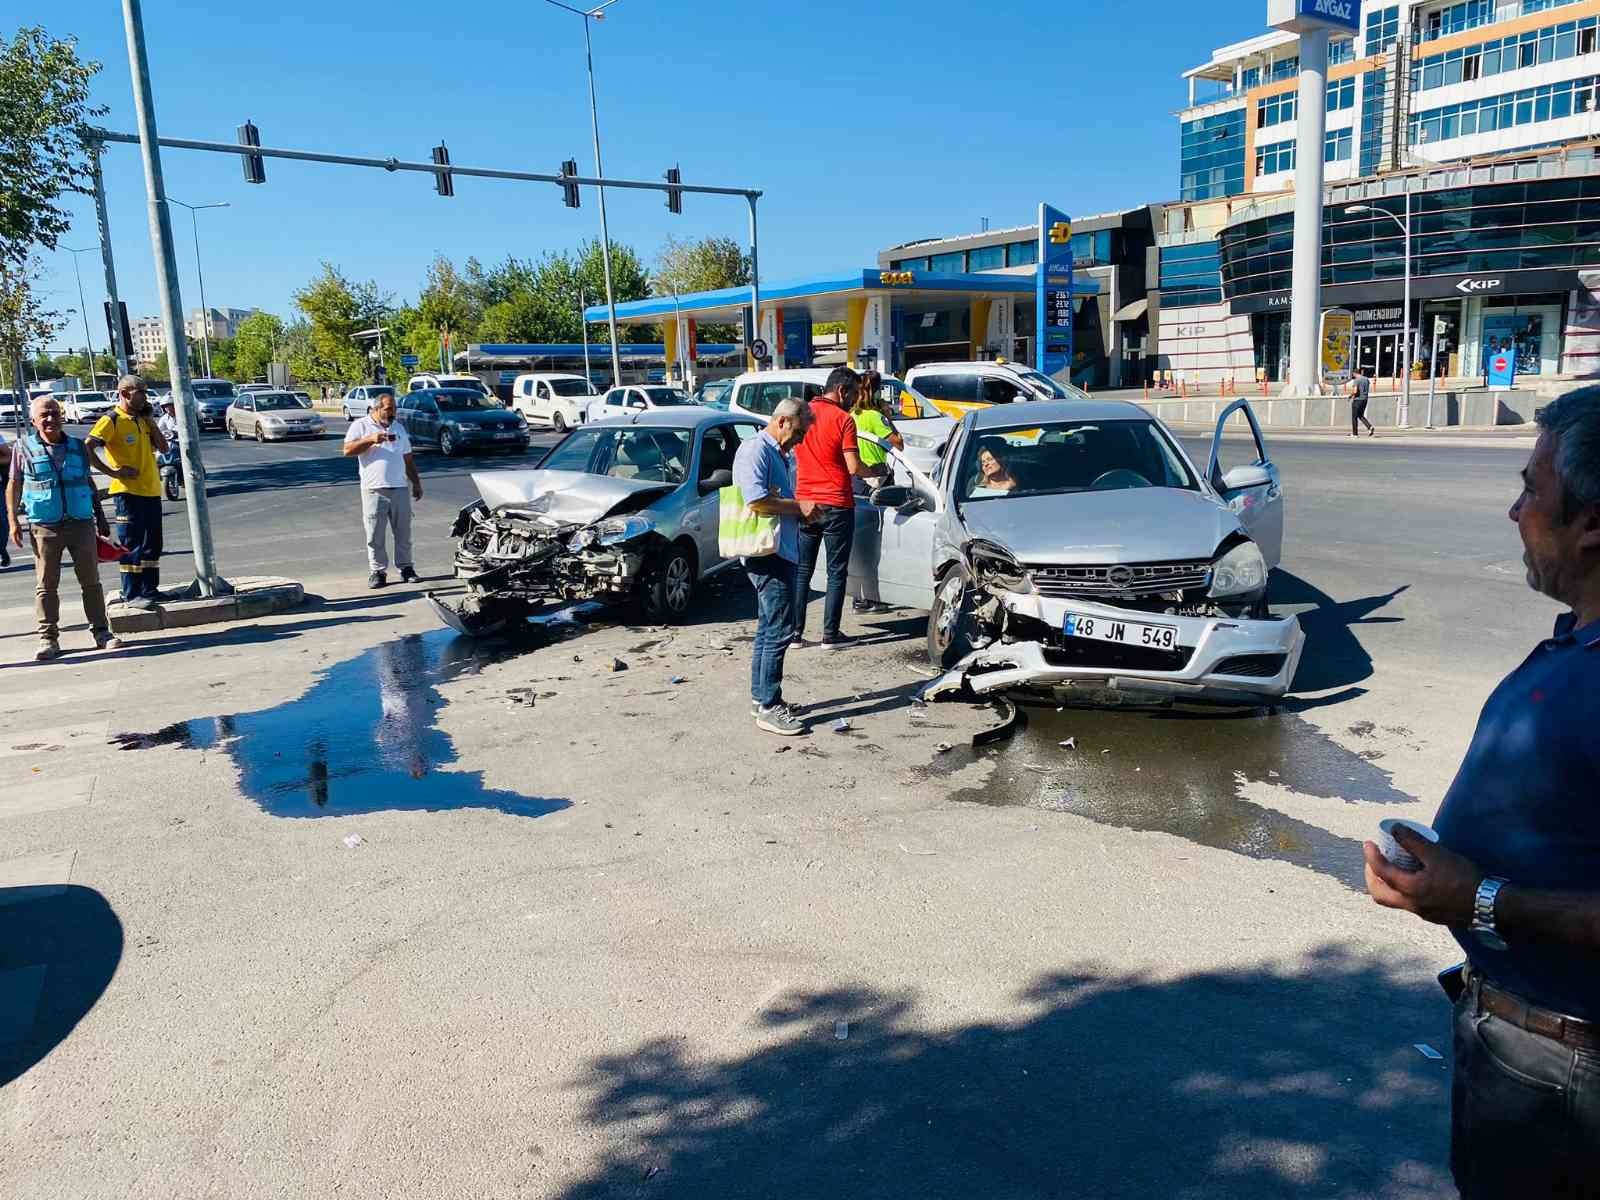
<point>387,472</point>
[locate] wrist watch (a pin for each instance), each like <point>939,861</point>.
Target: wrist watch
<point>1483,906</point>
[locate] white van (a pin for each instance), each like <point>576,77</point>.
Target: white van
<point>924,428</point>
<point>417,382</point>
<point>957,388</point>
<point>558,401</point>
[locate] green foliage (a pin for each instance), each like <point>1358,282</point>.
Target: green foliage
<point>335,310</point>
<point>825,328</point>
<point>223,365</point>
<point>44,104</point>
<point>24,321</point>
<point>253,346</point>
<point>700,266</point>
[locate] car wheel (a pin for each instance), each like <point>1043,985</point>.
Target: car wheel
<point>170,486</point>
<point>261,438</point>
<point>559,423</point>
<point>668,591</point>
<point>233,434</point>
<point>951,620</point>
<point>447,443</point>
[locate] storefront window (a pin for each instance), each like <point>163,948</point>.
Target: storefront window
<point>1021,254</point>
<point>953,263</point>
<point>1519,334</point>
<point>986,258</point>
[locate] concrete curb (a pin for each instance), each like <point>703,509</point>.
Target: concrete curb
<point>252,598</point>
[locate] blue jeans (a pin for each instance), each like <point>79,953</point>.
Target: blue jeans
<point>773,578</point>
<point>836,527</point>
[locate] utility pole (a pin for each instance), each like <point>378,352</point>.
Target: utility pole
<point>119,351</point>
<point>207,580</point>
<point>583,325</point>
<point>83,308</point>
<point>205,312</point>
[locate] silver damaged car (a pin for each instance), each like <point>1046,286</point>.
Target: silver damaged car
<point>1074,548</point>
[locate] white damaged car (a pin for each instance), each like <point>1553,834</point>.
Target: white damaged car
<point>1074,547</point>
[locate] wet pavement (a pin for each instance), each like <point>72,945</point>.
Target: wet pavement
<point>363,739</point>
<point>1183,772</point>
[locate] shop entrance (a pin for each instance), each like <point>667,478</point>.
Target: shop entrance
<point>1378,354</point>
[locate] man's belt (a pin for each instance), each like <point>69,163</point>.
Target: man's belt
<point>1570,1031</point>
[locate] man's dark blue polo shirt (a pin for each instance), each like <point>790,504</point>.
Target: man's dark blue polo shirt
<point>1526,806</point>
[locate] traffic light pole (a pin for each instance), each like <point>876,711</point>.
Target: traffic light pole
<point>118,349</point>
<point>207,580</point>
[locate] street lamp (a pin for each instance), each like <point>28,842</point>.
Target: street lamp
<point>205,313</point>
<point>1405,325</point>
<point>83,308</point>
<point>599,14</point>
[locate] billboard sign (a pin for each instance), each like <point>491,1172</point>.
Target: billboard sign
<point>1338,346</point>
<point>1303,16</point>
<point>1054,293</point>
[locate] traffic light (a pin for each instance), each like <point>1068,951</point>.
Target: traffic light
<point>569,191</point>
<point>443,181</point>
<point>255,167</point>
<point>674,194</point>
<point>122,320</point>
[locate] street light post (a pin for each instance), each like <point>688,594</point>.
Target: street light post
<point>205,313</point>
<point>83,308</point>
<point>598,14</point>
<point>1405,317</point>
<point>583,325</point>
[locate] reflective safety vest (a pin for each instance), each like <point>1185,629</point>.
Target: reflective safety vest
<point>50,496</point>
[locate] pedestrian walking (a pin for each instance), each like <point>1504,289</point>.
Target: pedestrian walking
<point>389,484</point>
<point>1516,871</point>
<point>875,432</point>
<point>826,465</point>
<point>7,512</point>
<point>131,440</point>
<point>50,480</point>
<point>769,551</point>
<point>1360,394</point>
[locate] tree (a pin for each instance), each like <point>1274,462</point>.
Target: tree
<point>253,345</point>
<point>44,106</point>
<point>24,321</point>
<point>336,310</point>
<point>700,266</point>
<point>448,304</point>
<point>222,358</point>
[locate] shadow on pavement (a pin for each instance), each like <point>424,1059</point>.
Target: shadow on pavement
<point>179,641</point>
<point>59,948</point>
<point>1334,656</point>
<point>1226,1085</point>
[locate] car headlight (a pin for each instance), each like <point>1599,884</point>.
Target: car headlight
<point>995,566</point>
<point>623,529</point>
<point>1242,571</point>
<point>583,539</point>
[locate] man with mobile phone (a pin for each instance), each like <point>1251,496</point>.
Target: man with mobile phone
<point>389,483</point>
<point>131,440</point>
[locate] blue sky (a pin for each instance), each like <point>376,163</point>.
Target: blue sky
<point>864,125</point>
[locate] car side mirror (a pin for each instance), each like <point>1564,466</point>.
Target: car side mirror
<point>904,499</point>
<point>1251,476</point>
<point>716,481</point>
<point>639,404</point>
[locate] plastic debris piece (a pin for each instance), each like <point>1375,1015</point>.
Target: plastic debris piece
<point>918,853</point>
<point>618,665</point>
<point>841,1030</point>
<point>1105,752</point>
<point>352,840</point>
<point>1068,743</point>
<point>943,748</point>
<point>1428,1051</point>
<point>677,679</point>
<point>841,726</point>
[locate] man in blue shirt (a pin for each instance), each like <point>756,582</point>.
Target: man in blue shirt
<point>764,475</point>
<point>1516,873</point>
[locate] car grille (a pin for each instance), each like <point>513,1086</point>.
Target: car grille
<point>1251,666</point>
<point>1082,652</point>
<point>1143,580</point>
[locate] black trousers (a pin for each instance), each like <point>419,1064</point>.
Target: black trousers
<point>138,527</point>
<point>1358,415</point>
<point>1524,1112</point>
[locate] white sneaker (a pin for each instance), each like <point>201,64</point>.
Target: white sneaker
<point>779,719</point>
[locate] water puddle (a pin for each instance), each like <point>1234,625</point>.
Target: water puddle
<point>362,739</point>
<point>1182,773</point>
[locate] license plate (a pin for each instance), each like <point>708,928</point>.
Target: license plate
<point>506,437</point>
<point>1123,633</point>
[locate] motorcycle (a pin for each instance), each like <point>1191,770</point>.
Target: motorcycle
<point>171,474</point>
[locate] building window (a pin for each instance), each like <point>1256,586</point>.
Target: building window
<point>986,258</point>
<point>1022,254</point>
<point>1249,78</point>
<point>1383,28</point>
<point>1457,18</point>
<point>953,263</point>
<point>1554,43</point>
<point>1342,94</point>
<point>1529,106</point>
<point>1191,275</point>
<point>1274,158</point>
<point>1374,88</point>
<point>1341,51</point>
<point>1338,145</point>
<point>1275,110</point>
<point>1212,156</point>
<point>909,264</point>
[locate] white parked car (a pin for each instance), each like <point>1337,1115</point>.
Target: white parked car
<point>957,388</point>
<point>924,428</point>
<point>559,401</point>
<point>635,397</point>
<point>270,417</point>
<point>427,380</point>
<point>358,401</point>
<point>85,408</point>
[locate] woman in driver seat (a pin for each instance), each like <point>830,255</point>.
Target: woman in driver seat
<point>994,477</point>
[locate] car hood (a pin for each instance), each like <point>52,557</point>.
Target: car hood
<point>482,416</point>
<point>571,497</point>
<point>1137,525</point>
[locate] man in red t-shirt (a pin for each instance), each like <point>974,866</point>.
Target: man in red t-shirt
<point>825,464</point>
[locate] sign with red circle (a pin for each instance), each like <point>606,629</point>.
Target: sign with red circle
<point>1502,365</point>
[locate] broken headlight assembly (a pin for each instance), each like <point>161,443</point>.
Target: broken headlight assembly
<point>995,567</point>
<point>615,530</point>
<point>1240,574</point>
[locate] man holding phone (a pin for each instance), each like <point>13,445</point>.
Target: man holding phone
<point>389,483</point>
<point>130,438</point>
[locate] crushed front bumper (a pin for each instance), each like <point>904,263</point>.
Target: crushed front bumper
<point>1219,659</point>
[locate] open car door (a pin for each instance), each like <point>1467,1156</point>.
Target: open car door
<point>1252,489</point>
<point>892,558</point>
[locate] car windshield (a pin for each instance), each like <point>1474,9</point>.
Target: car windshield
<point>665,397</point>
<point>275,401</point>
<point>624,452</point>
<point>1078,456</point>
<point>1045,384</point>
<point>461,400</point>
<point>213,389</point>
<point>572,387</point>
<point>464,381</point>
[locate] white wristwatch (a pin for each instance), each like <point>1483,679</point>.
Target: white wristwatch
<point>1483,905</point>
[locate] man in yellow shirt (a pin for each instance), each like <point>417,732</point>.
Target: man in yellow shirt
<point>130,439</point>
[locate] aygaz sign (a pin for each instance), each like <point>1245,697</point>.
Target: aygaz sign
<point>1301,16</point>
